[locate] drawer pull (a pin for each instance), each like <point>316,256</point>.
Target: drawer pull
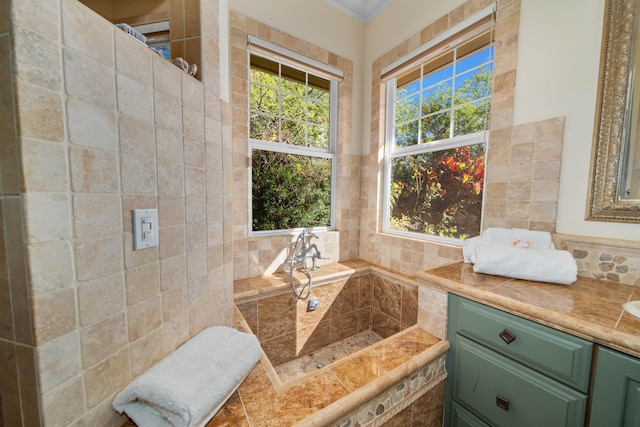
<point>502,403</point>
<point>507,336</point>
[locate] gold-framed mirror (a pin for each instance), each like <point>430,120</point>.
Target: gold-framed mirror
<point>614,187</point>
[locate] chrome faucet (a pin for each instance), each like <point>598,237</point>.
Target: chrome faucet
<point>306,251</point>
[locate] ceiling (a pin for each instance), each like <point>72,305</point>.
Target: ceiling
<point>364,10</point>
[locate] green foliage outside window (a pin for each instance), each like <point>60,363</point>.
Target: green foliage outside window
<point>439,191</point>
<point>291,107</point>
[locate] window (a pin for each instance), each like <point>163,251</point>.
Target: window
<point>437,121</point>
<point>292,144</point>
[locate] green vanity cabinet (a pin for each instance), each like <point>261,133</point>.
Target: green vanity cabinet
<point>615,398</point>
<point>508,371</point>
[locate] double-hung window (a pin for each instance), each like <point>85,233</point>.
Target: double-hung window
<point>292,140</point>
<point>438,106</point>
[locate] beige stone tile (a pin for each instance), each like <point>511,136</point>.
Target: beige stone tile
<point>144,317</point>
<point>28,385</point>
<point>107,377</point>
<point>10,384</point>
<point>548,150</point>
<point>175,331</point>
<point>545,191</point>
<point>40,112</point>
<point>58,361</point>
<point>519,191</point>
<point>518,209</point>
<point>137,137</point>
<point>91,125</point>
<point>44,166</point>
<point>525,133</point>
<point>54,314</point>
<point>192,93</point>
<point>522,152</point>
<point>172,241</point>
<point>133,259</point>
<point>520,172</point>
<point>194,181</point>
<point>169,146</point>
<point>195,236</point>
<point>142,283</point>
<point>173,272</point>
<point>547,170</point>
<point>175,302</point>
<point>51,266</point>
<point>194,152</point>
<point>171,179</point>
<point>63,405</point>
<point>102,339</point>
<point>98,256</point>
<point>135,99</point>
<point>94,171</point>
<point>196,209</point>
<point>89,80</point>
<point>200,317</point>
<point>104,415</point>
<point>100,298</point>
<point>196,264</point>
<point>193,123</point>
<point>133,58</point>
<point>37,59</point>
<point>96,214</point>
<point>543,211</point>
<point>197,291</point>
<point>138,175</point>
<point>86,32</point>
<point>37,16</point>
<point>166,77</point>
<point>551,129</point>
<point>146,352</point>
<point>47,216</point>
<point>168,112</point>
<point>171,210</point>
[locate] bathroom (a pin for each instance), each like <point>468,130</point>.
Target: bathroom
<point>92,129</point>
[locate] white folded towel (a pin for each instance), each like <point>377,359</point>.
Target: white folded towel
<point>190,385</point>
<point>541,265</point>
<point>518,237</point>
<point>468,247</point>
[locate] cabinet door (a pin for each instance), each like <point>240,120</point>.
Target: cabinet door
<point>506,393</point>
<point>460,417</point>
<point>615,398</point>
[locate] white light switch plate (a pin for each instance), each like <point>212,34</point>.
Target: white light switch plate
<point>145,228</point>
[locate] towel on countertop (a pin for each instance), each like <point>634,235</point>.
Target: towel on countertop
<point>517,237</point>
<point>541,265</point>
<point>190,385</point>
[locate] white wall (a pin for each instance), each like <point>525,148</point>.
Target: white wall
<point>321,24</point>
<point>558,61</point>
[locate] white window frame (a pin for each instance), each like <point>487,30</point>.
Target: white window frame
<point>389,75</point>
<point>334,75</point>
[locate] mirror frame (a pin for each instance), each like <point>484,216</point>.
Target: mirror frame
<point>618,42</point>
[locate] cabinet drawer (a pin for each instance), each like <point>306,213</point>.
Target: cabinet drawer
<point>462,418</point>
<point>557,354</point>
<point>509,394</point>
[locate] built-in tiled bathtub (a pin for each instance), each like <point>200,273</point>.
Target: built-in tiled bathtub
<point>376,363</point>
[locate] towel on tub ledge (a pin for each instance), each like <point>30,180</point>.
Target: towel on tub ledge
<point>189,386</point>
<point>541,265</point>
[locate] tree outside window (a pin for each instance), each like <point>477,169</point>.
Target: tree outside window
<point>435,160</point>
<point>292,155</point>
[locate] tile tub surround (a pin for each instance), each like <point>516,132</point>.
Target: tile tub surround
<point>589,308</point>
<point>353,298</point>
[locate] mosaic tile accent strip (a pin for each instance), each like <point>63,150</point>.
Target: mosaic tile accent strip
<point>605,259</point>
<point>389,403</point>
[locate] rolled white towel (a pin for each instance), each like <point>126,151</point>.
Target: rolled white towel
<point>468,246</point>
<point>541,265</point>
<point>189,386</point>
<point>518,237</point>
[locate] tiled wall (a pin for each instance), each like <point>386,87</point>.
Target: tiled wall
<point>255,256</point>
<point>523,162</point>
<point>286,329</point>
<point>103,126</point>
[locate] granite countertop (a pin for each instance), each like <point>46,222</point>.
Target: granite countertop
<point>589,308</point>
